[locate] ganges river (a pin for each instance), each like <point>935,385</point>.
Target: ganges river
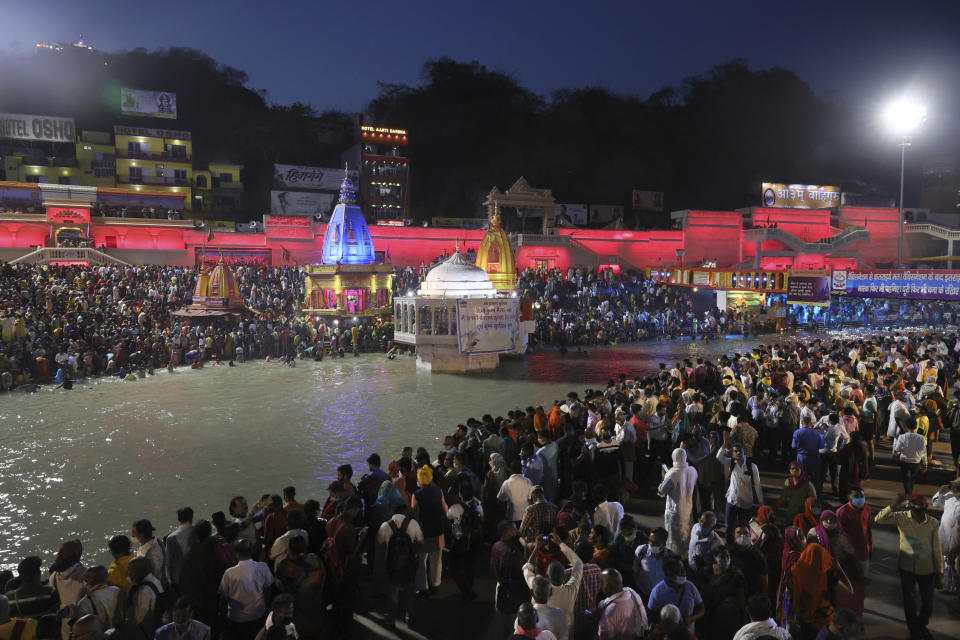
<point>86,463</point>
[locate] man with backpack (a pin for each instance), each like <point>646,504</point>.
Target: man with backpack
<point>145,610</point>
<point>400,540</point>
<point>744,492</point>
<point>466,538</point>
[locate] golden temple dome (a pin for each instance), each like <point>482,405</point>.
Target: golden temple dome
<point>217,289</point>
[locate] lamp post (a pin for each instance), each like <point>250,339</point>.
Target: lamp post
<point>903,118</point>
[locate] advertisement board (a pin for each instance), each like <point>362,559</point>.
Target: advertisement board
<point>573,213</point>
<point>301,203</point>
<point>288,176</point>
<point>605,213</point>
<point>153,104</point>
<point>234,257</point>
<point>799,196</point>
<point>22,126</point>
<point>811,290</point>
<point>647,200</point>
<point>487,325</point>
<point>933,284</point>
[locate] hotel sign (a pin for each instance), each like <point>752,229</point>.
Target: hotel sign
<point>143,132</point>
<point>64,215</point>
<point>800,196</point>
<point>38,128</point>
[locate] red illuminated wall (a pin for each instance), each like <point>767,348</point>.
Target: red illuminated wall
<point>883,225</point>
<point>713,235</point>
<point>810,225</point>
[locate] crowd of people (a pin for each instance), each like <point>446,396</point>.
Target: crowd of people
<point>852,312</point>
<point>68,323</point>
<point>583,307</point>
<point>537,499</point>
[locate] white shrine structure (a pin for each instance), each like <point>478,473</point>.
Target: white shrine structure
<point>460,320</point>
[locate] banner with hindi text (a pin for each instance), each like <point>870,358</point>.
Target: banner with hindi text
<point>487,325</point>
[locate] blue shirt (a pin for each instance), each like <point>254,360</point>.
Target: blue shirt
<point>807,442</point>
<point>533,469</point>
<point>687,598</point>
<point>648,568</point>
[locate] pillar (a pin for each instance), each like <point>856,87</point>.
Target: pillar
<point>548,219</point>
<point>950,253</point>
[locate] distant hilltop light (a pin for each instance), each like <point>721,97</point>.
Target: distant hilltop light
<point>59,46</point>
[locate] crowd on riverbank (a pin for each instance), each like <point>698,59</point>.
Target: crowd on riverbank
<point>537,497</point>
<point>72,322</point>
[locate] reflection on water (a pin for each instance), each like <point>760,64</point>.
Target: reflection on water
<point>88,462</point>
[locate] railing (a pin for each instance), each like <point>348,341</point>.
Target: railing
<point>155,180</point>
<point>846,237</point>
<point>140,155</point>
<point>47,255</point>
<point>944,233</point>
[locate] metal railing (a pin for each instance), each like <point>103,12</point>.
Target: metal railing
<point>46,255</point>
<point>935,230</point>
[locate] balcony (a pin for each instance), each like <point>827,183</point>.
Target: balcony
<point>161,181</point>
<point>126,154</point>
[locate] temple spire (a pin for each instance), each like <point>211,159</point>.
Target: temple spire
<point>495,221</point>
<point>348,194</point>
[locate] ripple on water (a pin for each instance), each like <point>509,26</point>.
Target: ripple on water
<point>88,462</point>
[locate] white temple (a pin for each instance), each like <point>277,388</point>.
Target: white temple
<point>458,321</point>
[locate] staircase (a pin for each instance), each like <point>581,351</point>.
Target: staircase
<point>47,255</point>
<point>845,238</point>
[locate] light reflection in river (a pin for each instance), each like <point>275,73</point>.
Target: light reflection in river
<point>88,462</point>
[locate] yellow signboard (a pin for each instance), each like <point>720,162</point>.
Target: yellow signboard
<point>800,196</point>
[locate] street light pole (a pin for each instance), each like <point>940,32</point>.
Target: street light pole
<point>904,143</point>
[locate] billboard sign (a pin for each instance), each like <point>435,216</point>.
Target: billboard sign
<point>799,196</point>
<point>20,126</point>
<point>811,290</point>
<point>573,213</point>
<point>647,200</point>
<point>488,325</point>
<point>604,213</point>
<point>288,176</point>
<point>301,203</point>
<point>933,284</point>
<point>153,104</point>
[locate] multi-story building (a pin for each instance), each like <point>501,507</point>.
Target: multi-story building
<point>385,174</point>
<point>137,160</point>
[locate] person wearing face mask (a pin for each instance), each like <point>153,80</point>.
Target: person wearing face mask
<point>704,543</point>
<point>744,491</point>
<point>832,537</point>
<point>797,489</point>
<point>854,521</point>
<point>921,559</point>
<point>813,583</point>
<point>725,599</point>
<point>624,547</point>
<point>674,589</point>
<point>648,561</point>
<point>183,627</point>
<point>677,487</point>
<point>749,560</point>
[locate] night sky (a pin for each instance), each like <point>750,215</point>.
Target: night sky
<point>332,54</point>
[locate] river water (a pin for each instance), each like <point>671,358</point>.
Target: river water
<point>86,463</point>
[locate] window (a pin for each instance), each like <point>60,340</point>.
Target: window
<point>226,177</point>
<point>202,181</point>
<point>136,173</point>
<point>180,176</point>
<point>134,149</point>
<point>177,151</point>
<point>65,180</point>
<point>33,178</point>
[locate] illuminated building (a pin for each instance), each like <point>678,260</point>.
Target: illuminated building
<point>385,174</point>
<point>348,282</point>
<point>215,294</point>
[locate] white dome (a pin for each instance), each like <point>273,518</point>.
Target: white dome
<point>457,277</point>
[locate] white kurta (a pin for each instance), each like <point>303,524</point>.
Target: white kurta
<point>677,487</point>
